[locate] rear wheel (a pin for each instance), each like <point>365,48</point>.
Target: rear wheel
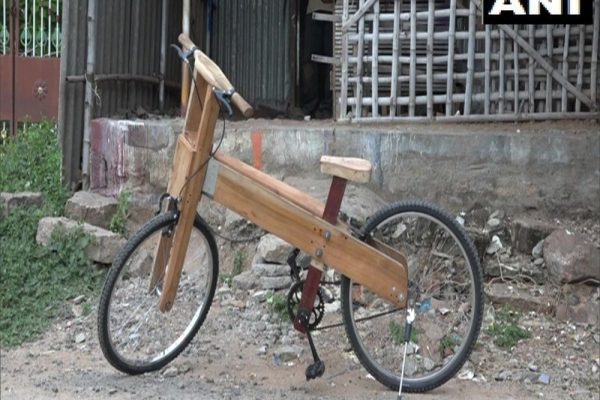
<point>444,284</point>
<point>135,336</point>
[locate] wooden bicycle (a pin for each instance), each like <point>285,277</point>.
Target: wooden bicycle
<point>411,293</point>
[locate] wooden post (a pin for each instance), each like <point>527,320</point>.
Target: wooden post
<point>359,63</point>
<point>430,15</point>
<point>450,70</point>
<point>375,61</point>
<point>90,84</point>
<point>531,83</point>
<point>501,84</point>
<point>344,88</point>
<point>549,83</point>
<point>565,67</point>
<point>189,170</point>
<point>580,65</point>
<point>487,68</point>
<point>516,75</point>
<point>395,60</point>
<point>595,55</point>
<point>470,58</point>
<point>413,58</point>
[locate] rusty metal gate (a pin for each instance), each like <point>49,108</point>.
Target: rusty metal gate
<point>30,43</point>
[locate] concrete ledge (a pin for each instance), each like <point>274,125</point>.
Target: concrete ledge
<point>551,167</point>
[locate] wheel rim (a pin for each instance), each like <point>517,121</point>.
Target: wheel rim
<point>138,333</point>
<point>444,328</point>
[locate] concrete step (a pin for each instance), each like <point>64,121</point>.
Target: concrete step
<point>10,201</point>
<point>91,208</point>
<point>104,245</point>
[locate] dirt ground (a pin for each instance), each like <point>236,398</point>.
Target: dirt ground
<point>223,362</point>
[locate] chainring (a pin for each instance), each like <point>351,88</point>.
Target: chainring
<point>293,301</point>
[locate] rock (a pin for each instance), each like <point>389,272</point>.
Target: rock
<point>333,307</point>
<point>570,257</point>
<point>104,245</point>
<point>538,250</point>
<point>91,208</point>
<point>527,232</point>
<point>519,299</point>
<point>579,303</point>
<point>262,350</point>
<point>138,214</point>
<point>494,246</point>
<point>80,338</point>
<point>493,225</point>
<point>237,225</point>
<point>287,353</point>
<point>10,201</point>
<point>247,280</point>
<point>271,270</point>
<point>428,364</point>
<point>79,299</point>
<point>481,238</point>
<point>275,283</point>
<point>261,295</point>
<point>272,249</point>
<point>170,372</point>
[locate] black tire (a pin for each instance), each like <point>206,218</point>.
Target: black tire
<point>445,284</point>
<point>134,335</point>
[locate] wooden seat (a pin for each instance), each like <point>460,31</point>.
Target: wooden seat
<point>352,169</point>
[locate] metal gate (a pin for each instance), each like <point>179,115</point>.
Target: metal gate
<point>30,43</point>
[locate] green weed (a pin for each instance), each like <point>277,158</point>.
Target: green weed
<point>37,280</point>
<point>397,333</point>
<point>278,304</point>
<point>505,329</point>
<point>118,221</point>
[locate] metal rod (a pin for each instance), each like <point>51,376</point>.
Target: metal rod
<point>185,72</point>
<point>89,90</point>
<point>595,55</point>
<point>359,65</point>
<point>344,89</point>
<point>549,52</point>
<point>163,54</point>
<point>487,69</point>
<point>565,69</point>
<point>531,81</point>
<point>471,59</point>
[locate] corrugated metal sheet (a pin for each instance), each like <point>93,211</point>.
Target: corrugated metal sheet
<point>252,41</point>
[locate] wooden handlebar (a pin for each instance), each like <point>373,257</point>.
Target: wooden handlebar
<point>211,72</point>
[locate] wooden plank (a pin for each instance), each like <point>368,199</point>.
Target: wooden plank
<point>182,160</point>
<point>363,8</point>
<point>344,88</point>
<point>565,67</point>
<point>413,58</point>
<point>161,257</point>
<point>471,58</point>
<point>585,99</point>
<point>346,254</point>
<point>291,194</point>
<point>450,69</point>
<point>190,196</point>
<point>580,64</point>
<point>359,65</point>
<point>429,72</point>
<point>395,62</point>
<point>375,61</point>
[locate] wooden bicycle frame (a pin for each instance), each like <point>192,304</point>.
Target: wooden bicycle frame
<point>273,205</point>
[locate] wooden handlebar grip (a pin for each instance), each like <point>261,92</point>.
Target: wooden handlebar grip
<point>185,41</point>
<point>242,105</point>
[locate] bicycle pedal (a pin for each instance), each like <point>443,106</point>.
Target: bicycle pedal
<point>315,370</point>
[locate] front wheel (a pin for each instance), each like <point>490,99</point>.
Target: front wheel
<point>135,336</point>
<point>444,284</point>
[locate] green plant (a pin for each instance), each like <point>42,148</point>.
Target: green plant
<point>32,162</point>
<point>37,280</point>
<point>450,342</point>
<point>505,329</point>
<point>397,333</point>
<point>238,263</point>
<point>119,219</point>
<point>278,304</point>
